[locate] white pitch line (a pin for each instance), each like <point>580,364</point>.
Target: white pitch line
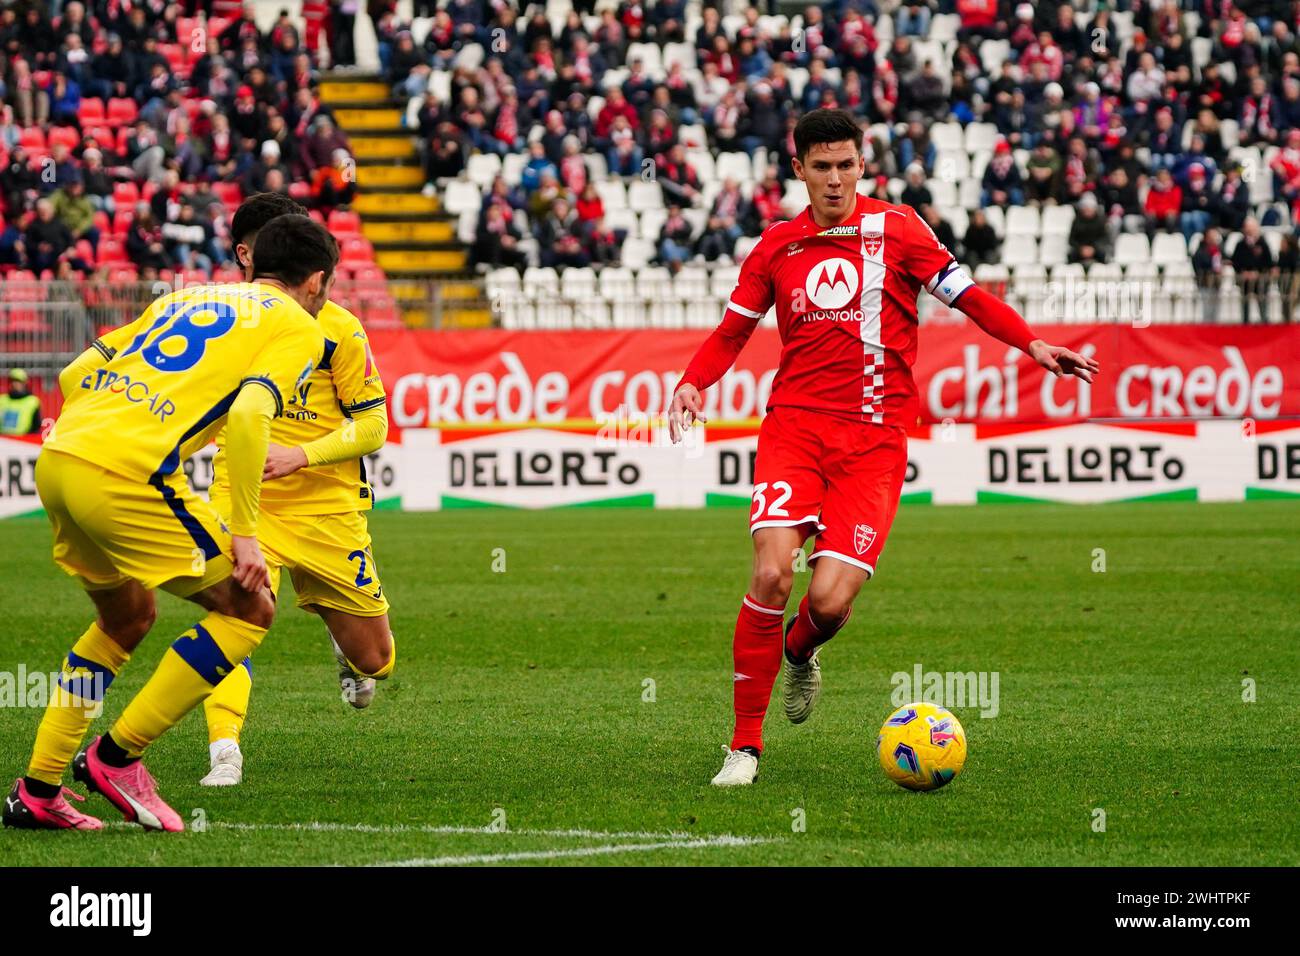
<point>448,830</point>
<point>471,859</point>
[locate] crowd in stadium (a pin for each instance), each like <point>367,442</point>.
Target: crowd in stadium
<point>129,131</point>
<point>1155,119</point>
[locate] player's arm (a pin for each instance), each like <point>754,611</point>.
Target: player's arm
<point>248,432</point>
<point>930,262</point>
<point>747,305</point>
<point>361,396</point>
<point>359,436</point>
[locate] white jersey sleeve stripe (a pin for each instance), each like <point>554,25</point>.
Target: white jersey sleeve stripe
<point>748,313</point>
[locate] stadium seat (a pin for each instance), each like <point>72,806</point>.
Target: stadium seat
<point>356,249</point>
<point>541,284</point>
<point>122,112</point>
<point>482,168</point>
<point>624,219</point>
<point>654,284</point>
<point>342,223</point>
<point>652,222</point>
<point>617,284</point>
<point>637,253</point>
<point>91,112</point>
<point>462,195</point>
<point>1132,247</point>
<point>125,195</point>
<point>111,250</point>
<point>737,166</point>
<point>32,137</point>
<point>66,135</point>
<point>1023,221</point>
<point>229,193</point>
<point>1172,247</point>
<point>643,195</point>
<point>1019,250</point>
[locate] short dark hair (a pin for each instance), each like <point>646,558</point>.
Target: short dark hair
<point>291,248</point>
<point>825,126</point>
<point>257,210</point>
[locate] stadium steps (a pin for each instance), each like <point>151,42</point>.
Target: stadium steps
<point>413,237</point>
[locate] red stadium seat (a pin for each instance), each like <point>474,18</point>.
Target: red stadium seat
<point>122,110</point>
<point>300,191</point>
<point>147,190</point>
<point>124,273</point>
<point>122,221</point>
<point>315,215</point>
<point>91,112</point>
<point>112,251</point>
<point>104,136</point>
<point>123,134</point>
<point>66,135</point>
<point>126,195</point>
<point>367,273</point>
<point>101,221</point>
<point>85,251</point>
<point>356,249</point>
<point>32,137</point>
<point>344,223</point>
<point>229,193</point>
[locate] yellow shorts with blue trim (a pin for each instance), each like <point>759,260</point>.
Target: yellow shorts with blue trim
<point>328,558</point>
<point>109,529</point>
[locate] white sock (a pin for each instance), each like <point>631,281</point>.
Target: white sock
<point>217,746</point>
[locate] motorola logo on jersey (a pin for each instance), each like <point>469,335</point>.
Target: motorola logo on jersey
<point>832,283</point>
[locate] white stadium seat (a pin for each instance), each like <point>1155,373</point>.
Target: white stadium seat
<point>462,195</point>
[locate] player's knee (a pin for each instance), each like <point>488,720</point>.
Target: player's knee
<point>372,660</point>
<point>771,583</point>
<point>128,624</point>
<point>828,610</point>
<point>256,609</point>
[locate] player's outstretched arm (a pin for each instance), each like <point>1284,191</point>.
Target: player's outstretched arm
<point>248,433</point>
<point>361,435</point>
<point>1002,322</point>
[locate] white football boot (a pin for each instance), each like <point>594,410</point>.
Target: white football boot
<point>801,688</point>
<point>357,690</point>
<point>227,765</point>
<point>739,769</point>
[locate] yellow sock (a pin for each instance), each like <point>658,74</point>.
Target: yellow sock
<point>227,706</point>
<point>88,670</point>
<point>196,662</point>
<point>384,671</point>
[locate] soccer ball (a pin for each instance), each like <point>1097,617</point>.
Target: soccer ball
<point>921,746</point>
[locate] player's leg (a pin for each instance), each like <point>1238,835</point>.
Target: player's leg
<point>787,498</point>
<point>125,612</point>
<point>225,710</point>
<point>335,575</point>
<point>364,649</point>
<point>196,662</point>
<point>866,478</point>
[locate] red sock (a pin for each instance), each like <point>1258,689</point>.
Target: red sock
<point>756,652</point>
<point>803,637</point>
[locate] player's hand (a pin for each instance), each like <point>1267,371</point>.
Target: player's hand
<point>1059,360</point>
<point>687,402</point>
<point>250,567</point>
<point>282,460</point>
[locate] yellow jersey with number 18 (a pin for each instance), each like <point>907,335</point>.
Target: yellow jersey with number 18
<point>172,375</point>
<point>344,382</point>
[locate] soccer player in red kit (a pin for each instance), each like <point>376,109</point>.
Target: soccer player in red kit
<point>844,276</point>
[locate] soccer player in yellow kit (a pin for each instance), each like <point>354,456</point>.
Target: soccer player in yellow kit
<point>314,498</point>
<point>126,522</point>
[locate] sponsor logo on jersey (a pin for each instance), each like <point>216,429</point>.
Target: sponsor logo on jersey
<point>133,390</point>
<point>832,283</point>
<point>863,536</point>
<point>793,249</point>
<point>839,231</point>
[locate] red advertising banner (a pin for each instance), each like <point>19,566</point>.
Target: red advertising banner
<point>1156,373</point>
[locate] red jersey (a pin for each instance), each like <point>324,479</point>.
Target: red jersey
<point>845,301</point>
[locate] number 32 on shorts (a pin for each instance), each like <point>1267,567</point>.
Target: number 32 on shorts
<point>780,493</point>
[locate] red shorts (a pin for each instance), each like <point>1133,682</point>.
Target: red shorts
<point>838,478</point>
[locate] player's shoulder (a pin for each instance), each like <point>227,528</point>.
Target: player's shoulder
<point>775,235</point>
<point>337,323</point>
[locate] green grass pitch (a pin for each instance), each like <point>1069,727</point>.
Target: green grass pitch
<point>519,698</point>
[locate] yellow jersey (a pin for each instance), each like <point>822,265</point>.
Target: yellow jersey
<point>172,375</point>
<point>345,382</point>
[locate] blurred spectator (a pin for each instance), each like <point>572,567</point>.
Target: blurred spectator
<point>144,243</point>
<point>1198,204</point>
<point>981,243</point>
<point>20,410</point>
<point>1252,261</point>
<point>1089,238</point>
<point>675,238</point>
<point>678,180</point>
<point>48,238</point>
<point>1002,185</point>
<point>1207,265</point>
<point>76,211</point>
<point>723,226</point>
<point>1163,204</point>
<point>497,241</point>
<point>558,236</point>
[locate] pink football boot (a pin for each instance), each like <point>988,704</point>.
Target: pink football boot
<point>131,789</point>
<point>26,811</point>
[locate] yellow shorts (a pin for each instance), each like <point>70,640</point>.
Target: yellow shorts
<point>109,529</point>
<point>328,558</point>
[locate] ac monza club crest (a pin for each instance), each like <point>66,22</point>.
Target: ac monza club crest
<point>872,241</point>
<point>863,535</point>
